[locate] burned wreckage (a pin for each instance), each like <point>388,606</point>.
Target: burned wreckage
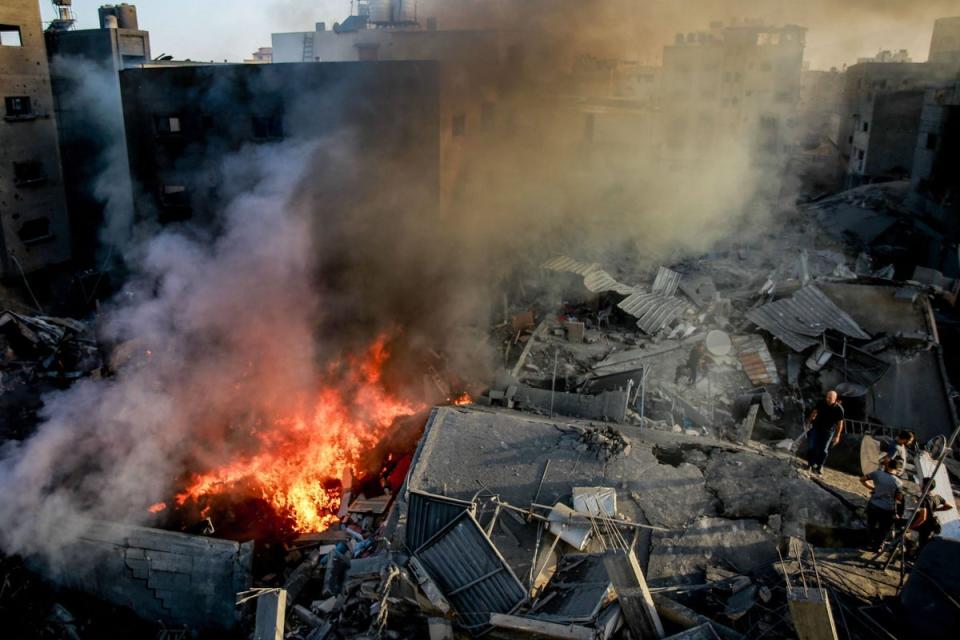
<point>631,471</point>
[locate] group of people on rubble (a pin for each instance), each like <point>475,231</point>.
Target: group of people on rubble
<point>885,508</point>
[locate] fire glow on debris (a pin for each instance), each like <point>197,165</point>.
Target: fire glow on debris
<point>301,457</point>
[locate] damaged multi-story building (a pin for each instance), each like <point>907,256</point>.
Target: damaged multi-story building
<point>84,67</point>
<point>34,228</point>
<point>733,82</point>
<point>880,114</point>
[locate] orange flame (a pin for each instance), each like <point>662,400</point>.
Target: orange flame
<point>157,507</point>
<point>301,457</point>
<point>462,399</point>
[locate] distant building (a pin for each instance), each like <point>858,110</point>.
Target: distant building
<point>880,117</point>
<point>935,182</point>
<point>34,228</point>
<point>821,97</point>
<point>476,68</point>
<point>184,122</point>
<point>888,56</point>
<point>945,42</point>
<point>263,55</point>
<point>738,83</point>
<point>85,67</point>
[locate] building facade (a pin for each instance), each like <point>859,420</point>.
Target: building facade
<point>935,181</point>
<point>34,228</point>
<point>880,116</point>
<point>945,42</point>
<point>84,68</point>
<point>184,122</point>
<point>735,84</point>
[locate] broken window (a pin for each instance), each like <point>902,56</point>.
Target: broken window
<point>174,195</point>
<point>167,125</point>
<point>29,172</point>
<point>18,107</point>
<point>267,127</point>
<point>10,36</point>
<point>36,230</point>
<point>932,141</point>
<point>459,125</point>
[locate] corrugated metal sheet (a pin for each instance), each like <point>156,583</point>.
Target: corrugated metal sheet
<point>471,573</point>
<point>798,320</point>
<point>578,589</point>
<point>666,281</point>
<point>653,310</point>
<point>564,263</point>
<point>427,514</point>
<point>757,362</point>
<point>600,280</point>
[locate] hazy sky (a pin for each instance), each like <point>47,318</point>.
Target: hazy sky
<point>840,30</point>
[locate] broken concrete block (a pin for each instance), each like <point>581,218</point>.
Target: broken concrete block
<point>575,331</point>
<point>683,559</point>
<point>671,496</point>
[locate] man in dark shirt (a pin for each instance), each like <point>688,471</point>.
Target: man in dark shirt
<point>826,425</point>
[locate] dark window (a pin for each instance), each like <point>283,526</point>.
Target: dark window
<point>589,122</point>
<point>36,230</point>
<point>18,107</point>
<point>10,35</point>
<point>459,125</point>
<point>267,127</point>
<point>174,195</point>
<point>932,141</point>
<point>850,140</point>
<point>866,127</point>
<point>29,172</point>
<point>368,52</point>
<point>487,116</point>
<point>206,122</point>
<point>167,125</point>
<point>860,154</point>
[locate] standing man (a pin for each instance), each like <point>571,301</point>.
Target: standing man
<point>826,426</point>
<point>886,493</point>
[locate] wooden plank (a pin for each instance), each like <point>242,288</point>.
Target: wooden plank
<point>811,615</point>
<point>541,627</point>
<point>639,611</point>
<point>271,608</point>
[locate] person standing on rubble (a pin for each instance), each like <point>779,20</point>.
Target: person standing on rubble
<point>886,493</point>
<point>897,450</point>
<point>826,426</point>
